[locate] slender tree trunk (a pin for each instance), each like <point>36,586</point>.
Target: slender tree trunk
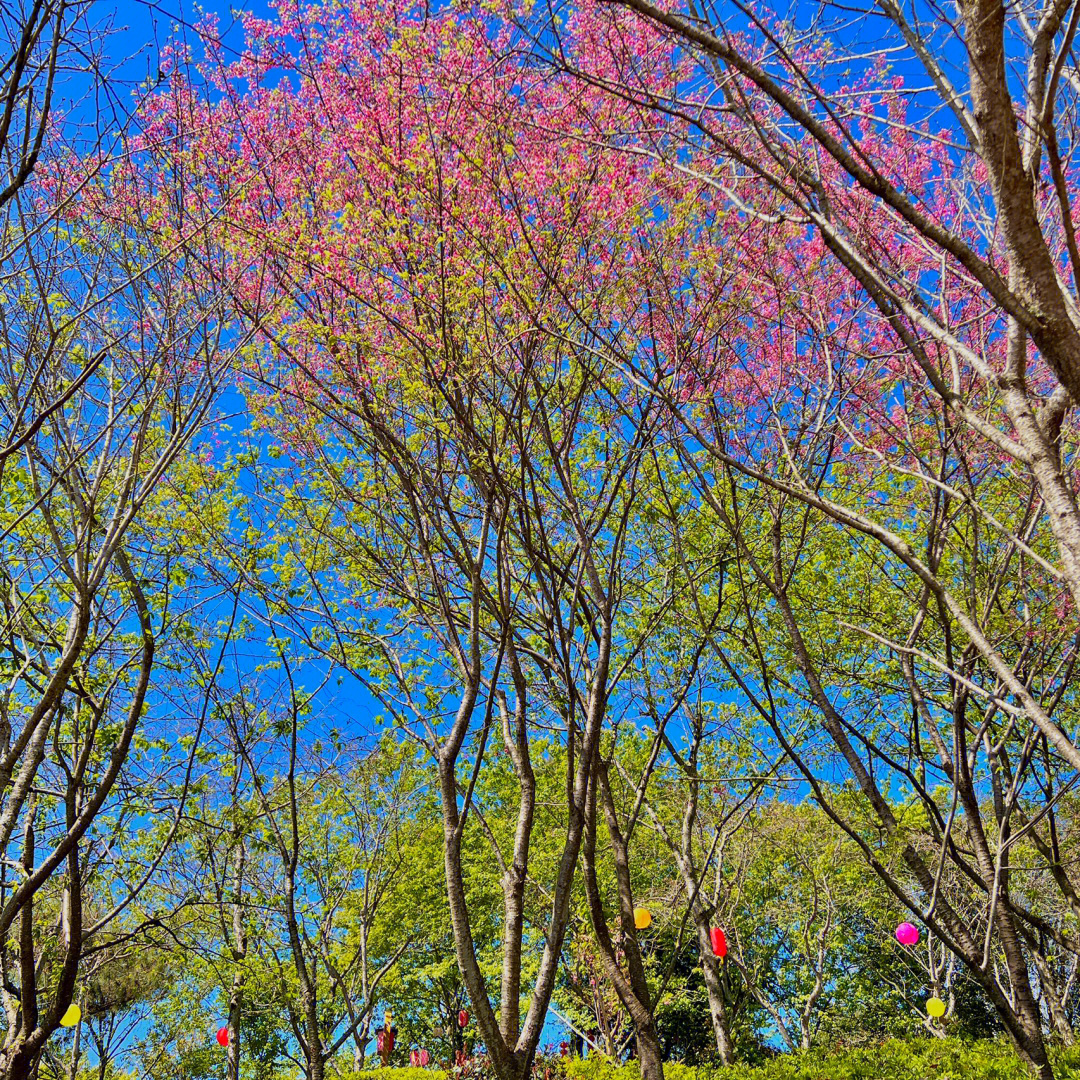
<point>239,951</point>
<point>1020,1016</point>
<point>360,1044</point>
<point>516,740</point>
<point>360,1038</point>
<point>314,1050</point>
<point>514,1061</point>
<point>1055,998</point>
<point>24,1042</point>
<point>236,1005</point>
<point>710,970</point>
<point>632,988</point>
<point>683,850</point>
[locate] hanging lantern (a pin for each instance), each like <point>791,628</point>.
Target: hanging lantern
<point>935,1007</point>
<point>424,1058</point>
<point>414,1059</point>
<point>907,934</point>
<point>72,1015</point>
<point>462,1018</point>
<point>642,918</point>
<point>223,1036</point>
<point>719,942</point>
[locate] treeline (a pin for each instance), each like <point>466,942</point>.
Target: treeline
<point>652,422</point>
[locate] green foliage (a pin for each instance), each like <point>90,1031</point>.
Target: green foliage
<point>403,1073</point>
<point>895,1059</point>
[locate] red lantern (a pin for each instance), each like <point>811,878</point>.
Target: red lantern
<point>414,1059</point>
<point>223,1036</point>
<point>719,942</point>
<point>462,1018</point>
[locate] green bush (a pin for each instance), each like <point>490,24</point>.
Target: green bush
<point>912,1059</point>
<point>405,1072</point>
<point>896,1059</point>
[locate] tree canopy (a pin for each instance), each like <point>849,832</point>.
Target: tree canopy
<point>539,524</point>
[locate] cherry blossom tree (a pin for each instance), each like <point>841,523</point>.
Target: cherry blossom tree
<point>749,240</point>
<point>901,345</point>
<point>474,472</point>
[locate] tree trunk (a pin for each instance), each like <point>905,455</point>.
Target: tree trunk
<point>633,988</point>
<point>236,1003</point>
<point>710,970</point>
<point>314,1050</point>
<point>1025,1023</point>
<point>516,740</point>
<point>239,952</point>
<point>648,1051</point>
<point>360,1043</point>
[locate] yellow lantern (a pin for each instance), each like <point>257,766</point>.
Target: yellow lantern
<point>642,917</point>
<point>935,1007</point>
<point>71,1017</point>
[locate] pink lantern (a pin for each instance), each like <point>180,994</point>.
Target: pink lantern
<point>424,1059</point>
<point>719,942</point>
<point>223,1036</point>
<point>907,934</point>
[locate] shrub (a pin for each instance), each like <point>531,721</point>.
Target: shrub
<point>394,1073</point>
<point>894,1059</point>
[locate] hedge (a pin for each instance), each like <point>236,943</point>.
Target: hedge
<point>403,1073</point>
<point>912,1059</point>
<point>896,1059</point>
